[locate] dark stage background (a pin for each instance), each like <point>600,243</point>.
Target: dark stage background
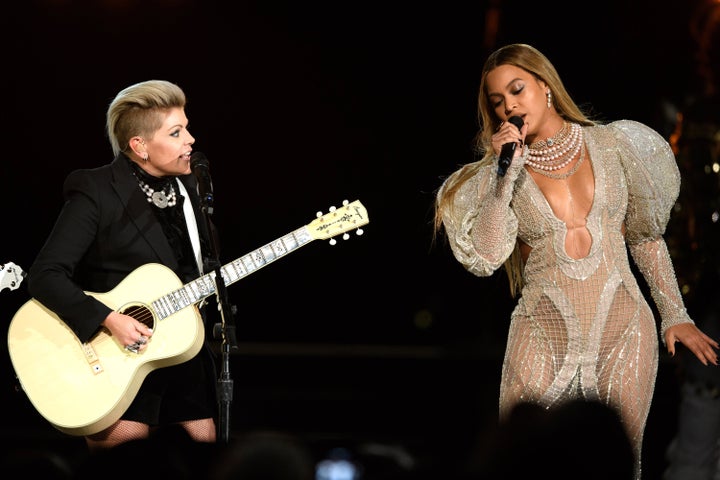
<point>298,106</point>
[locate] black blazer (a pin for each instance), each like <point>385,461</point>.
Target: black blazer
<point>105,230</point>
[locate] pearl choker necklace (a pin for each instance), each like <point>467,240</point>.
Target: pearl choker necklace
<point>160,199</point>
<point>557,152</point>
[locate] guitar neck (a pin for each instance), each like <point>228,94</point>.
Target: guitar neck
<point>350,216</point>
<point>204,286</point>
<point>255,260</point>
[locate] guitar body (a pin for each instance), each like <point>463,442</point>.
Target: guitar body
<point>84,388</point>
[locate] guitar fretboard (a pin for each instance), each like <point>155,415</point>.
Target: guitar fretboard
<point>204,286</point>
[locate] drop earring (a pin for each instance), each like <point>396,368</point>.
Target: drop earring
<point>548,94</point>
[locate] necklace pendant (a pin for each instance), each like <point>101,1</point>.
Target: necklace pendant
<point>159,199</point>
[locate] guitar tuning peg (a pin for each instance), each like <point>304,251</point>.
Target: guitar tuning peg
<point>359,231</point>
<point>332,208</point>
<point>333,241</point>
<point>345,236</point>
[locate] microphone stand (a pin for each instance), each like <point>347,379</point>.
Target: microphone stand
<point>226,329</point>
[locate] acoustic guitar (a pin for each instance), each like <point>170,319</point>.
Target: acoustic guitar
<point>83,388</point>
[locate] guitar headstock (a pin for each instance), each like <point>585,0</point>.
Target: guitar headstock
<point>11,276</point>
<point>351,216</point>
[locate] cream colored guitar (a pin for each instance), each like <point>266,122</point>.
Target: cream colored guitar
<point>82,388</point>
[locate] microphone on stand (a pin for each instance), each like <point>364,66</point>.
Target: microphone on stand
<point>508,149</point>
<point>201,168</point>
<point>226,329</point>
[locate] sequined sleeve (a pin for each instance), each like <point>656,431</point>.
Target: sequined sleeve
<point>653,181</point>
<point>481,226</point>
<point>653,261</point>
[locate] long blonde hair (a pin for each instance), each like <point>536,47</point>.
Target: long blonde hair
<point>534,62</point>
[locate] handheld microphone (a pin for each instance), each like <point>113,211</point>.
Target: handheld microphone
<point>508,149</point>
<point>201,168</point>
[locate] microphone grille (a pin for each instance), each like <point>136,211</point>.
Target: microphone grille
<point>198,159</point>
<point>517,121</point>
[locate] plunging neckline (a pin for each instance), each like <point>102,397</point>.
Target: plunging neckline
<point>589,218</point>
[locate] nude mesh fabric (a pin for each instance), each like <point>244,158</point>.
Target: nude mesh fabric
<point>581,328</point>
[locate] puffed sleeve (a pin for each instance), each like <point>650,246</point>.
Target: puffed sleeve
<point>480,225</point>
<point>653,180</point>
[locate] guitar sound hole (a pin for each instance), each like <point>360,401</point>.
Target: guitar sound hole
<point>140,313</point>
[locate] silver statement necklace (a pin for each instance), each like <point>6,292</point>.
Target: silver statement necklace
<point>161,198</point>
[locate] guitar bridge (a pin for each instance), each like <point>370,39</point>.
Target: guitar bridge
<point>92,358</point>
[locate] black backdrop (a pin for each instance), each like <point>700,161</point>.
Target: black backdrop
<point>300,105</point>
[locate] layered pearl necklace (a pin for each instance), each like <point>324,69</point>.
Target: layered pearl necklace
<point>558,151</point>
<point>160,199</point>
